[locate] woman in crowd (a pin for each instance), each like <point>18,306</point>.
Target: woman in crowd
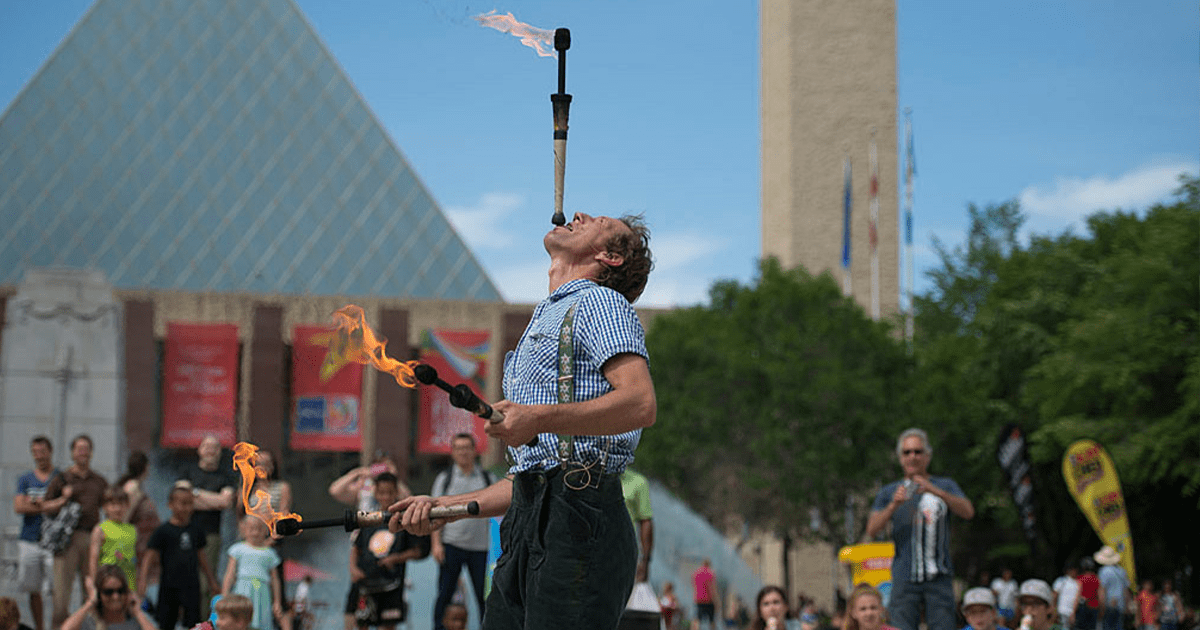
<point>771,611</point>
<point>142,512</point>
<point>109,605</point>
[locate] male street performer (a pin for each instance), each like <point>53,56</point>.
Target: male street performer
<point>569,547</point>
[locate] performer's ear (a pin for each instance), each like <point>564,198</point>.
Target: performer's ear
<point>610,259</point>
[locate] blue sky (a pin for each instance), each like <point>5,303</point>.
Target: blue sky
<point>1069,107</point>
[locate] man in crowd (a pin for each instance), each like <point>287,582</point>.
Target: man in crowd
<point>461,543</point>
<point>919,507</point>
<point>1115,583</point>
<point>579,393</point>
<point>213,490</point>
<point>82,485</point>
<point>1066,594</point>
<point>636,489</point>
<point>35,564</point>
<point>705,584</point>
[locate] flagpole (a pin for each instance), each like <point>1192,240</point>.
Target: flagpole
<point>873,234</point>
<point>910,170</point>
<point>846,180</point>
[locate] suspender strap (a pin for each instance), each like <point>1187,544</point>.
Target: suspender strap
<point>566,378</point>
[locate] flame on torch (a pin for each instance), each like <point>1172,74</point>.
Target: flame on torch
<point>539,39</point>
<point>245,460</point>
<point>353,341</point>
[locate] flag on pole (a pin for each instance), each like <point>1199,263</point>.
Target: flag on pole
<point>910,171</point>
<point>846,228</point>
<point>873,231</point>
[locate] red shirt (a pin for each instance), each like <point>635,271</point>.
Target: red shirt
<point>1147,603</point>
<point>704,585</point>
<point>1089,589</point>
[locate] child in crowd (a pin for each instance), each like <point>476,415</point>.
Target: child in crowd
<point>979,609</point>
<point>10,615</point>
<point>234,612</point>
<point>669,604</point>
<point>176,546</point>
<point>250,571</point>
<point>864,609</point>
<point>377,564</point>
<point>1147,606</point>
<point>1036,602</point>
<point>455,617</point>
<point>114,540</point>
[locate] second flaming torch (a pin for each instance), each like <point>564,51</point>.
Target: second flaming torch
<point>561,102</point>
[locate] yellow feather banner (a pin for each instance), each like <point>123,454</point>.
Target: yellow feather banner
<point>1092,480</point>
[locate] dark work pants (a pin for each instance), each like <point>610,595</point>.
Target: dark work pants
<point>569,556</point>
<point>448,572</point>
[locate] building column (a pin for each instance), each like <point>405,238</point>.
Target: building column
<point>142,421</point>
<point>393,403</point>
<point>268,382</point>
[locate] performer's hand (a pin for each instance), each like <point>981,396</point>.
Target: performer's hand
<point>520,424</point>
<point>412,515</point>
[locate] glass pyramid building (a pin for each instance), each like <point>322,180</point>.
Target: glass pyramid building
<point>216,145</point>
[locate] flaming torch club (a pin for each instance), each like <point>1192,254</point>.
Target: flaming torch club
<point>353,341</point>
<point>245,460</point>
<point>540,40</point>
<point>561,102</point>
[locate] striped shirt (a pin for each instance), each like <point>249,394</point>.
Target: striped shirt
<point>605,326</point>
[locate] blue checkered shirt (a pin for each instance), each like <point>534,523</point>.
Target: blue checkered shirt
<point>605,326</point>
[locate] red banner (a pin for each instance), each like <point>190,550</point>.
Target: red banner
<point>200,369</point>
<point>325,414</point>
<point>459,356</point>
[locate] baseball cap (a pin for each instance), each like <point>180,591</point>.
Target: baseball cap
<point>1036,588</point>
<point>979,595</point>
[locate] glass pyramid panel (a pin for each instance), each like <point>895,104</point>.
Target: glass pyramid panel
<point>207,145</point>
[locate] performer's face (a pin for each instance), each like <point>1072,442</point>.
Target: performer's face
<point>585,235</point>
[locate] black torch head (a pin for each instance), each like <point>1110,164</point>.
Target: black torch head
<point>425,374</point>
<point>287,527</point>
<point>562,39</point>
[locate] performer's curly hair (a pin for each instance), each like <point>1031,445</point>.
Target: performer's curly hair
<point>629,278</point>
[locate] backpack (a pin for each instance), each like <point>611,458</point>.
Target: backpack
<point>443,480</point>
<point>57,531</point>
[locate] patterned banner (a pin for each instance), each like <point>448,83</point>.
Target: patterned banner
<point>459,356</point>
<point>200,369</point>
<point>1011,455</point>
<point>1092,480</point>
<point>325,413</point>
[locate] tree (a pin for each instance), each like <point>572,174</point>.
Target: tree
<point>775,399</point>
<point>1072,336</point>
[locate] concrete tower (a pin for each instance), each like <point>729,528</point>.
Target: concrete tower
<point>828,80</point>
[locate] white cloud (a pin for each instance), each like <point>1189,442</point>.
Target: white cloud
<point>1073,198</point>
<point>485,225</point>
<point>680,250</point>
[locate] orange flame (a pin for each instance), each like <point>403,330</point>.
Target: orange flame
<point>539,39</point>
<point>353,341</point>
<point>245,458</point>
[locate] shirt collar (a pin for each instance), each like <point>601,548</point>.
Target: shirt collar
<point>571,287</point>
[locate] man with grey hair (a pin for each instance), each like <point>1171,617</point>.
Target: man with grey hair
<point>919,507</point>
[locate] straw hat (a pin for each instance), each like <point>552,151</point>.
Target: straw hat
<point>1107,556</point>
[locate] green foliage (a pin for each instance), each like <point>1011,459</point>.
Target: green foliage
<point>775,399</point>
<point>1071,336</point>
